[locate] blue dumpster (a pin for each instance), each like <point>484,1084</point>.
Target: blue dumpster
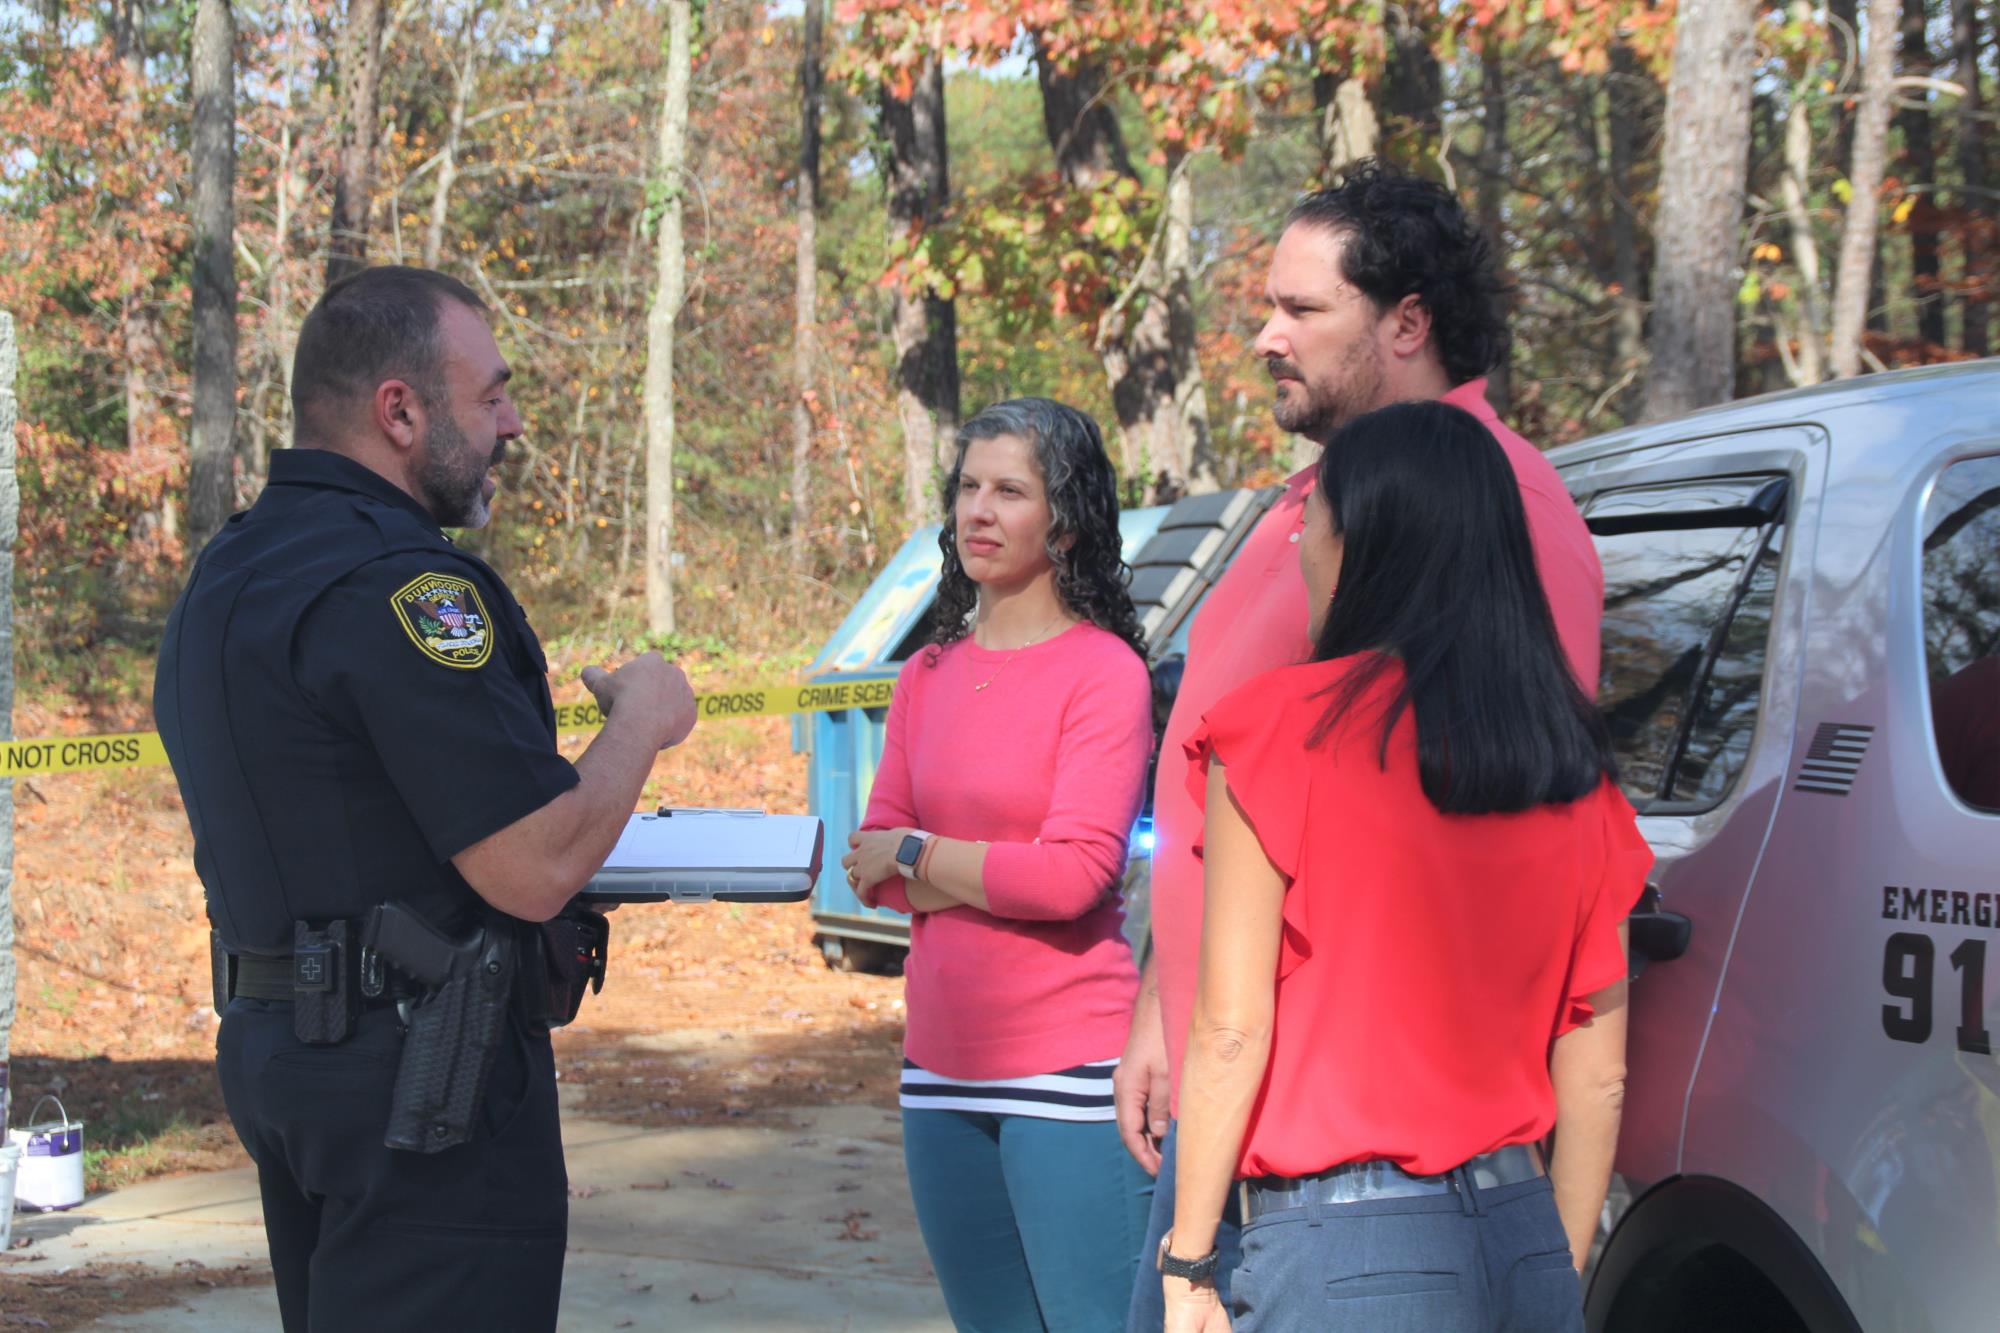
<point>872,643</point>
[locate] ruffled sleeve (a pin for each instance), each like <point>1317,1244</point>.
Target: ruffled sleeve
<point>1251,733</point>
<point>1596,961</point>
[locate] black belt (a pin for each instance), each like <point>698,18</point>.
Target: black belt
<point>265,977</point>
<point>1361,1182</point>
<point>260,978</point>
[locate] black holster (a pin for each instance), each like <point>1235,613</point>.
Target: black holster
<point>456,1024</point>
<point>574,946</point>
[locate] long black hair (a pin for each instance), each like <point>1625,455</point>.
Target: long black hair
<point>1082,490</point>
<point>1437,571</point>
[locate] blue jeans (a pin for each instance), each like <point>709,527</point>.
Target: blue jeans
<point>1148,1310</point>
<point>1475,1261</point>
<point>1031,1224</point>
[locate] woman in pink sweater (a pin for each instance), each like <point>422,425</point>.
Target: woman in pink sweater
<point>1011,773</point>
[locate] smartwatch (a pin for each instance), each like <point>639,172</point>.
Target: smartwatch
<point>908,853</point>
<point>1194,1270</point>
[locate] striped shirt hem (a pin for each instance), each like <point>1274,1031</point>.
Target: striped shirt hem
<point>1080,1093</point>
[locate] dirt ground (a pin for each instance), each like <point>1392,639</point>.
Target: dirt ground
<point>710,1014</point>
<point>78,1296</point>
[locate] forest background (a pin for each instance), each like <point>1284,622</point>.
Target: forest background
<point>753,261</point>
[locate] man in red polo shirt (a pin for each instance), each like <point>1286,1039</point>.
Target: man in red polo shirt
<point>1382,290</point>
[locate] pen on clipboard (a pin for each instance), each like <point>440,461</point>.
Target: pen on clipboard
<point>668,811</point>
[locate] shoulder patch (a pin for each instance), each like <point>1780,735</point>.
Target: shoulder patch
<point>444,617</point>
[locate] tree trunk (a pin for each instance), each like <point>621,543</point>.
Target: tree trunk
<point>1492,196</point>
<point>469,47</point>
<point>1136,333</point>
<point>136,322</point>
<point>1702,181</point>
<point>1844,19</point>
<point>280,324</point>
<point>1805,245</point>
<point>359,74</point>
<point>1920,156</point>
<point>1412,87</point>
<point>1190,393</point>
<point>1627,347</point>
<point>670,287</point>
<point>806,281</point>
<point>1080,122</point>
<point>10,514</point>
<point>1857,239</point>
<point>924,326</point>
<point>1344,124</point>
<point>212,471</point>
<point>278,329</point>
<point>1975,208</point>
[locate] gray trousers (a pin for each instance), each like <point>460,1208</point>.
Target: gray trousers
<point>1475,1261</point>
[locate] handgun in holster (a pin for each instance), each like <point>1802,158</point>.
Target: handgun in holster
<point>456,1023</point>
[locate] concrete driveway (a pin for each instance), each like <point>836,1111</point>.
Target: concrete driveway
<point>804,1226</point>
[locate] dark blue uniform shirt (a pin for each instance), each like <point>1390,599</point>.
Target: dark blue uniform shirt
<point>348,701</point>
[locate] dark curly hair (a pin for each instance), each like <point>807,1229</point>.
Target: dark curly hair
<point>1082,490</point>
<point>1407,236</point>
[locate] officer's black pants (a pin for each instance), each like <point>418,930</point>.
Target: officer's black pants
<point>367,1238</point>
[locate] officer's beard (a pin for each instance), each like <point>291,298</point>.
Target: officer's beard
<point>452,477</point>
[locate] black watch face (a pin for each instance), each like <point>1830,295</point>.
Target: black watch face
<point>912,847</point>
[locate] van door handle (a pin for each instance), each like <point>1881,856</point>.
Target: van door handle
<point>1655,935</point>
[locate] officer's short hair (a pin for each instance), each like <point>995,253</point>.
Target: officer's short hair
<point>1405,236</point>
<point>380,323</point>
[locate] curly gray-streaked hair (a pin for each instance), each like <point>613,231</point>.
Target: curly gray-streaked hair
<point>1082,490</point>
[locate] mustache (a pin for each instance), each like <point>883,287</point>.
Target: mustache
<point>1277,367</point>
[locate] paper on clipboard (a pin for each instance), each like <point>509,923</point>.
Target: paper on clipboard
<point>696,855</point>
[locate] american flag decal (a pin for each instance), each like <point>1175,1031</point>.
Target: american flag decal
<point>1833,758</point>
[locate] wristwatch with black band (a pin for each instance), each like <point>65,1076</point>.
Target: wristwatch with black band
<point>1194,1270</point>
<point>909,852</point>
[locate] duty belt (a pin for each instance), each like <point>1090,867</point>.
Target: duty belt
<point>268,977</point>
<point>260,978</point>
<point>1362,1182</point>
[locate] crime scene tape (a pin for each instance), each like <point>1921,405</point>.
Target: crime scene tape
<point>141,749</point>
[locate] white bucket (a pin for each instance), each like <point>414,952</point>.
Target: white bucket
<point>50,1176</point>
<point>10,1158</point>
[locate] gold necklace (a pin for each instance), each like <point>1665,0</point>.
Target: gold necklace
<point>1016,653</point>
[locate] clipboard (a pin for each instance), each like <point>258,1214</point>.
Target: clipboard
<point>697,856</point>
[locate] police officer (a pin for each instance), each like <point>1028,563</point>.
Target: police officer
<point>357,713</point>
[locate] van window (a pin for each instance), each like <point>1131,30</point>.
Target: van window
<point>1690,583</point>
<point>1962,627</point>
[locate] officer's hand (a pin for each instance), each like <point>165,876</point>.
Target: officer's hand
<point>651,687</point>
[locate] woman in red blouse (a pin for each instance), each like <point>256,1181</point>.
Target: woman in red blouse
<point>1412,960</point>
